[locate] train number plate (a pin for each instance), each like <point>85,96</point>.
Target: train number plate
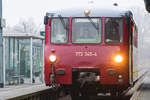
<point>86,53</point>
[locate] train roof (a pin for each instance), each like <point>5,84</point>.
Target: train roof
<point>94,12</point>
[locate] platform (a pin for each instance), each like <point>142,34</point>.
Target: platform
<point>143,92</point>
<point>15,91</point>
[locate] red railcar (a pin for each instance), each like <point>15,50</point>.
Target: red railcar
<point>91,50</point>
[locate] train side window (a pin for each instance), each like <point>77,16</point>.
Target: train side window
<point>135,36</point>
<point>59,31</point>
<point>113,30</point>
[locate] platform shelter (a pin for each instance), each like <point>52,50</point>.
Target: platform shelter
<point>23,58</point>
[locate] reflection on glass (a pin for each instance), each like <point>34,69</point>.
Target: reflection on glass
<point>1,70</point>
<point>24,48</point>
<point>85,30</point>
<point>59,31</point>
<point>17,58</point>
<point>17,61</point>
<point>37,60</point>
<point>113,30</point>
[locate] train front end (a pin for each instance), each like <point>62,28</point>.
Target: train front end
<point>86,53</point>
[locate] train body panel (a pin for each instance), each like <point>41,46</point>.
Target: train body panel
<point>87,57</point>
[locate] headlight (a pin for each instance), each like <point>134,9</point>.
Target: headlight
<point>52,58</point>
<point>118,58</point>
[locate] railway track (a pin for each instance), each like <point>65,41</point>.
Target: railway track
<point>50,94</point>
<point>68,97</point>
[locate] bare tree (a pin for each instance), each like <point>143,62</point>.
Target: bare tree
<point>25,26</point>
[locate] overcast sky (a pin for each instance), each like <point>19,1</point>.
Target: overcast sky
<point>14,10</point>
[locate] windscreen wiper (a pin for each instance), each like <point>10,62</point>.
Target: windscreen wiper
<point>90,19</point>
<point>63,22</point>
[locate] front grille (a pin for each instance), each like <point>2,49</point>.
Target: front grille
<point>82,76</point>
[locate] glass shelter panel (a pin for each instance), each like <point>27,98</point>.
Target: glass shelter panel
<point>7,68</point>
<point>11,59</point>
<point>37,60</point>
<point>24,59</point>
<point>17,62</point>
<point>1,69</point>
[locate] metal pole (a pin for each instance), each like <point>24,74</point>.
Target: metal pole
<point>4,79</point>
<point>31,60</point>
<point>18,59</point>
<point>1,47</point>
<point>42,61</point>
<point>0,16</point>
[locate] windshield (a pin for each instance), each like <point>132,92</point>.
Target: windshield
<point>59,34</point>
<point>84,31</point>
<point>113,30</point>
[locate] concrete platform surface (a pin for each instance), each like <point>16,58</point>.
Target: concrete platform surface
<point>15,91</point>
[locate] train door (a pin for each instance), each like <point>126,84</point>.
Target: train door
<point>133,67</point>
<point>135,53</point>
<point>130,25</point>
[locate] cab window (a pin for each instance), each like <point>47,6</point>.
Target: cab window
<point>86,30</point>
<point>59,30</point>
<point>113,30</point>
